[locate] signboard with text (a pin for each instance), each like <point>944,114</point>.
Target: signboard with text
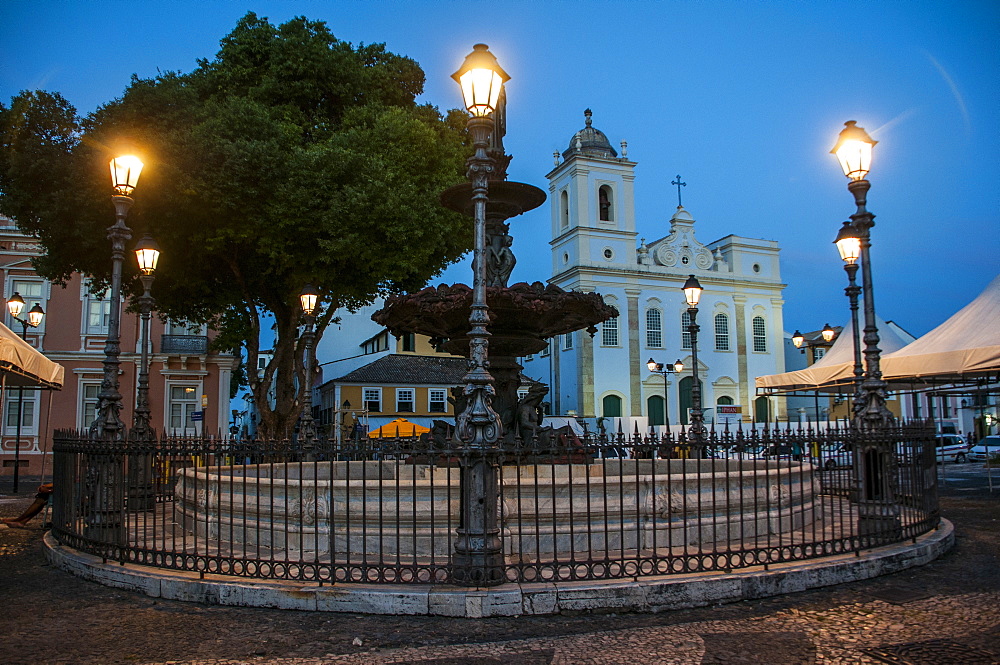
<point>728,413</point>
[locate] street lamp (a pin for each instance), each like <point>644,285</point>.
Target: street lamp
<point>854,152</point>
<point>124,176</point>
<point>849,246</point>
<point>478,558</point>
<point>15,305</point>
<point>828,333</point>
<point>874,459</point>
<point>660,368</point>
<point>798,339</point>
<point>147,254</point>
<point>692,294</point>
<point>308,299</point>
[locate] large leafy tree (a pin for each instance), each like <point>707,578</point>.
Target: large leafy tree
<point>290,158</point>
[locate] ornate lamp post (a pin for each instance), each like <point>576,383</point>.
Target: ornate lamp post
<point>140,463</point>
<point>874,457</point>
<point>15,305</point>
<point>854,151</point>
<point>664,370</point>
<point>147,254</point>
<point>307,427</point>
<point>692,294</point>
<point>124,176</point>
<point>849,246</point>
<point>478,557</point>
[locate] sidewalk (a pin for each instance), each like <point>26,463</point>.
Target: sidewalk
<point>945,612</point>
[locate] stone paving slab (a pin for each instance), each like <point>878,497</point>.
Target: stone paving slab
<point>852,634</point>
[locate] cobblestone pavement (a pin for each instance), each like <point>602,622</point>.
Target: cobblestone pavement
<point>947,612</point>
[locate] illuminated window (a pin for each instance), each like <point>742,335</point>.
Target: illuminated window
<point>183,402</point>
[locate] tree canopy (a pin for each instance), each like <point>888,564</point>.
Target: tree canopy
<point>291,157</point>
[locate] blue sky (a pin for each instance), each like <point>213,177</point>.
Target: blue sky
<point>743,99</point>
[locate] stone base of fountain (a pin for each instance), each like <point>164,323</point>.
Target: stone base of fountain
<point>386,509</point>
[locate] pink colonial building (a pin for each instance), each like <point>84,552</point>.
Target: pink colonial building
<point>189,385</point>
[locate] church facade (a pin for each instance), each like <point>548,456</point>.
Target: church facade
<point>596,247</point>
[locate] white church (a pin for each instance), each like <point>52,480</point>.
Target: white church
<point>595,247</point>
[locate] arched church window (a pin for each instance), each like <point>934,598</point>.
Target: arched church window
<point>654,328</point>
<point>564,209</point>
<point>724,400</point>
<point>759,335</point>
<point>605,201</point>
<point>721,332</point>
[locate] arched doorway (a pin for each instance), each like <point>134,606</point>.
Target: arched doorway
<point>655,410</point>
<point>762,410</point>
<point>684,398</point>
<point>611,406</point>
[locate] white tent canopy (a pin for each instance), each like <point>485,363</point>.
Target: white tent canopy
<point>22,364</point>
<point>836,368</point>
<point>965,346</point>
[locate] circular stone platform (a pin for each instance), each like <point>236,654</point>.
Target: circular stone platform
<point>649,594</point>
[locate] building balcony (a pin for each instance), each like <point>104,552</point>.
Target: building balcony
<point>189,345</point>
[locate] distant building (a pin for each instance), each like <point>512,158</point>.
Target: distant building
<point>369,377</point>
<point>189,384</point>
<point>596,247</point>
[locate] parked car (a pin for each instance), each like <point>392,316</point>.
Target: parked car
<point>951,448</point>
<point>836,457</point>
<point>987,448</point>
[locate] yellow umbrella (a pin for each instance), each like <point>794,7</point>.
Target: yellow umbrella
<point>398,427</point>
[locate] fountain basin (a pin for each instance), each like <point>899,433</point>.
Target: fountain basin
<point>386,508</point>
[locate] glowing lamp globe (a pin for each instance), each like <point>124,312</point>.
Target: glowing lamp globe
<point>481,79</point>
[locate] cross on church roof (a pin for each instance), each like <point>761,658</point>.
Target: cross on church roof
<point>679,185</point>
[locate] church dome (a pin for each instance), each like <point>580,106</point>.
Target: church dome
<point>682,215</point>
<point>590,141</point>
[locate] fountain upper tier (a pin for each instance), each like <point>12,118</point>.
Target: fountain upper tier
<point>522,316</point>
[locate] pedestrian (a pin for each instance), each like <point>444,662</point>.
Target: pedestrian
<point>41,498</point>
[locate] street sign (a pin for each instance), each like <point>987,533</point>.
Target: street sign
<point>197,415</point>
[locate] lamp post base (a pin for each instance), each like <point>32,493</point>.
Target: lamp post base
<point>478,557</point>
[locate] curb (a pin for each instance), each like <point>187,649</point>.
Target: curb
<point>651,594</point>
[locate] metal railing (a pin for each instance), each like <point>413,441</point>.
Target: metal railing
<point>570,508</point>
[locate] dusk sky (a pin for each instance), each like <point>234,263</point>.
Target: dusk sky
<point>743,99</point>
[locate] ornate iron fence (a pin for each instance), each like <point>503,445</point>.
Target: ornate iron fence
<point>569,508</point>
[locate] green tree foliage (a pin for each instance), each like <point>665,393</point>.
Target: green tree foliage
<point>291,157</point>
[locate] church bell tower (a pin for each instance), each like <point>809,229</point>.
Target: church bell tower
<point>593,206</point>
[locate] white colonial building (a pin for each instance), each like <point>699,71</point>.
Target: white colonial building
<point>596,247</point>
